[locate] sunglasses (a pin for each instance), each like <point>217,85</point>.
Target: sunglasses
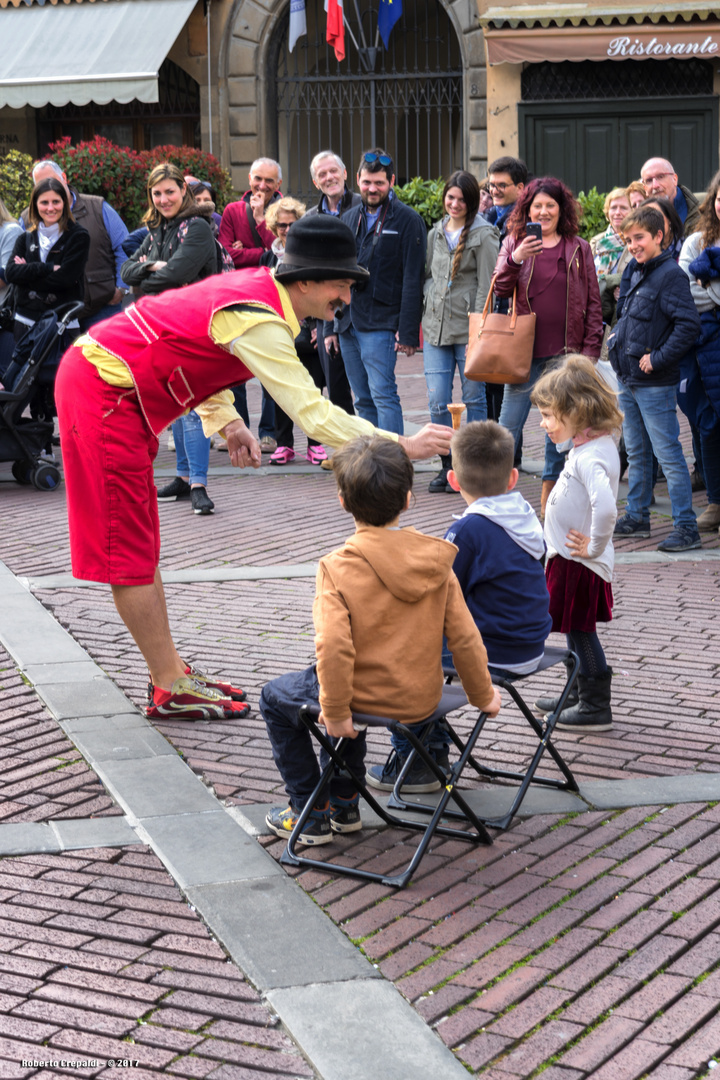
<point>201,184</point>
<point>382,158</point>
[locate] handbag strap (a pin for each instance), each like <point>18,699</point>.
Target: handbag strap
<point>489,300</point>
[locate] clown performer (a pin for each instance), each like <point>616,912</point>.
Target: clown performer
<point>120,385</point>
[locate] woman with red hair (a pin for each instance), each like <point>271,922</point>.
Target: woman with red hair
<point>554,277</point>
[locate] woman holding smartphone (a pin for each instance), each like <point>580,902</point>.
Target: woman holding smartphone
<point>553,270</point>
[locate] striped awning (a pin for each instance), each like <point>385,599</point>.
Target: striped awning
<point>81,52</point>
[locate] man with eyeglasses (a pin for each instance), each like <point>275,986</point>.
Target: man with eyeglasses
<point>507,176</point>
<point>391,241</point>
<point>660,179</point>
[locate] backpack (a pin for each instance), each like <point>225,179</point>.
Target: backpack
<point>223,261</point>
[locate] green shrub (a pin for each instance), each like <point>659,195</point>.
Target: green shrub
<point>120,174</point>
<point>593,220</point>
<point>425,196</point>
<point>16,181</point>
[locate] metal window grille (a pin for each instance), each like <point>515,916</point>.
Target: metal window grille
<point>407,99</point>
<point>607,79</point>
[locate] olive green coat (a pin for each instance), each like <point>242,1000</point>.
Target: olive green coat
<point>448,304</point>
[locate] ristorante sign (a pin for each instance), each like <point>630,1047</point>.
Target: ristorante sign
<point>524,45</point>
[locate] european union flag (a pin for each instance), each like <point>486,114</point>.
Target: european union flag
<point>388,14</point>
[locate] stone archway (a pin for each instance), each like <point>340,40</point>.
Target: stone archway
<point>253,38</point>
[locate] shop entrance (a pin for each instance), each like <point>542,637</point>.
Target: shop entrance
<point>604,143</point>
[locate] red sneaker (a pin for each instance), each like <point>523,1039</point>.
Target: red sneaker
<point>189,699</point>
<point>225,688</point>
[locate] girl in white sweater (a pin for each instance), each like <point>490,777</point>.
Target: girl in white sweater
<point>580,414</point>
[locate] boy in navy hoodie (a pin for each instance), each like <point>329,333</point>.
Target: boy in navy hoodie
<point>499,566</point>
<point>500,550</point>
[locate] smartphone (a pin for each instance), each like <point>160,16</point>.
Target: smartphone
<point>534,229</point>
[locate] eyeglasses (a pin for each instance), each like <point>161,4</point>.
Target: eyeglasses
<point>492,186</point>
<point>382,158</point>
<point>658,176</point>
<point>283,225</point>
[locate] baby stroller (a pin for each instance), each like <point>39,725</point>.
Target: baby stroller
<point>32,369</point>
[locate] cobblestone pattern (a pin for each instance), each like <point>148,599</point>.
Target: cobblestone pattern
<point>260,520</point>
<point>100,958</point>
<point>578,947</point>
<point>663,644</point>
<point>42,775</point>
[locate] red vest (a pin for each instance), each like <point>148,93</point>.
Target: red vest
<point>165,342</point>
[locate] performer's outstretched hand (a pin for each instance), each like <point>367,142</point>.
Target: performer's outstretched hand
<point>243,447</point>
<point>430,440</point>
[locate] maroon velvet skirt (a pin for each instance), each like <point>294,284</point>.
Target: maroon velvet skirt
<point>578,597</point>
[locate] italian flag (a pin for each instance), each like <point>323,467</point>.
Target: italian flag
<point>335,33</point>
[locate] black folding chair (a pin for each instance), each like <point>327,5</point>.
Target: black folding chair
<point>543,729</point>
<point>453,698</point>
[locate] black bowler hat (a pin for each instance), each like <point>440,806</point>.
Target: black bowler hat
<point>318,248</point>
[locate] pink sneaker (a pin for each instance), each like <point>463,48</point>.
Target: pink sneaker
<point>316,455</point>
<point>282,456</point>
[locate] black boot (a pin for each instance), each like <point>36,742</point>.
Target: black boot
<point>546,705</point>
<point>593,712</point>
<point>439,482</point>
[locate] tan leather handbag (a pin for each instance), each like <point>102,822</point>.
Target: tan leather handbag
<point>500,347</point>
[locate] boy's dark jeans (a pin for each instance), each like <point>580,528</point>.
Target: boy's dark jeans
<point>293,745</point>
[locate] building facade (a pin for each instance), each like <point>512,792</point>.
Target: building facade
<point>587,93</point>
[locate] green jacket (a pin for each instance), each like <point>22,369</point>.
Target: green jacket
<point>190,257</point>
<point>448,304</point>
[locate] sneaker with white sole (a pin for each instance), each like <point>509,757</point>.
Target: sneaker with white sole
<point>201,501</point>
<point>189,699</point>
<point>418,780</point>
<point>282,820</point>
<point>345,814</point>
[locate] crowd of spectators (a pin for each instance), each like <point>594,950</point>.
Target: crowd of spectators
<point>422,286</point>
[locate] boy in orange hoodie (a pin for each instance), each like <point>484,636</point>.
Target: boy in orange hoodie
<point>382,604</point>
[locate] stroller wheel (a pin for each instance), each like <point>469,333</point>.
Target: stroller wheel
<point>45,477</point>
<point>22,472</point>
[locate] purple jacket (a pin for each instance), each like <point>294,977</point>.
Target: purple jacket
<point>583,313</point>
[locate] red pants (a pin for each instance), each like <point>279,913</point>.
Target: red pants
<point>108,453</point>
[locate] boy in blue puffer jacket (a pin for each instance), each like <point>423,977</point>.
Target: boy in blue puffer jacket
<point>657,324</point>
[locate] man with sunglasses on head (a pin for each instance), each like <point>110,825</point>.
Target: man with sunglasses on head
<point>391,240</point>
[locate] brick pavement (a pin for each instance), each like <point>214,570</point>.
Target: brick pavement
<point>575,947</point>
<point>101,958</point>
<point>42,775</point>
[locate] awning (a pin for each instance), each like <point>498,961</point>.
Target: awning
<point>87,52</point>
<point>602,43</point>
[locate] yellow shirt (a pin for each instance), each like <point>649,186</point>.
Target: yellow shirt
<point>265,344</point>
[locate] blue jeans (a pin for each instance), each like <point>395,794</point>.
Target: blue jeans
<point>516,409</point>
<point>292,744</point>
<point>651,423</point>
<point>106,312</point>
<point>192,448</point>
<point>370,357</point>
<point>440,362</point>
<point>267,412</point>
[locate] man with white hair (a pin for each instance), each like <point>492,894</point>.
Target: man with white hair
<point>660,180</point>
<point>329,175</point>
<point>104,288</point>
<point>243,230</point>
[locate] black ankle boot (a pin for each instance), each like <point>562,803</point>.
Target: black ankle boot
<point>439,482</point>
<point>544,706</point>
<point>593,712</point>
